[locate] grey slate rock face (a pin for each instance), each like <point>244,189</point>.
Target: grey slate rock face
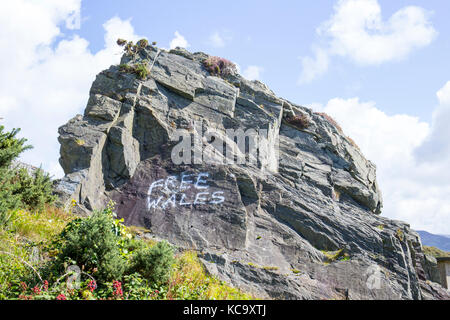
<point>304,227</point>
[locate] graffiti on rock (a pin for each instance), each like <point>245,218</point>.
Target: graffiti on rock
<point>184,190</point>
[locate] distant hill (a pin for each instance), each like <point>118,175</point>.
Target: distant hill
<point>433,240</point>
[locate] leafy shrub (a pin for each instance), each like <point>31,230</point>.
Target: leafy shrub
<point>35,189</point>
<point>94,243</point>
<point>219,66</point>
<point>299,121</point>
<point>154,263</point>
<point>18,188</point>
<point>8,200</point>
<point>136,287</point>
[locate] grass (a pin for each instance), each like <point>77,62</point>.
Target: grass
<point>338,255</point>
<point>23,240</point>
<point>190,281</point>
<point>39,226</point>
<point>435,252</point>
<point>139,69</point>
<point>267,268</point>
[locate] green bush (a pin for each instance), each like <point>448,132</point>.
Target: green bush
<point>9,201</point>
<point>10,146</point>
<point>154,263</point>
<point>19,189</point>
<point>94,244</point>
<point>35,190</point>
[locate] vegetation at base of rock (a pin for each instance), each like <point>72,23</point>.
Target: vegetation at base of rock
<point>19,189</point>
<point>48,253</point>
<point>190,281</point>
<point>139,69</point>
<point>153,263</point>
<point>435,252</point>
<point>299,121</point>
<point>219,66</point>
<point>38,248</point>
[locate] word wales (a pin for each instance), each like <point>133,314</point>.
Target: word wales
<point>182,191</point>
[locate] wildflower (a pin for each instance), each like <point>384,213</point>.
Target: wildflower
<point>45,286</point>
<point>92,285</point>
<point>61,297</point>
<point>24,286</point>
<point>36,290</point>
<point>117,286</point>
<point>219,66</point>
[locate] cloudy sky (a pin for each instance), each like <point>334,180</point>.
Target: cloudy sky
<point>380,67</point>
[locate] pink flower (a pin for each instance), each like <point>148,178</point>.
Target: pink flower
<point>92,285</point>
<point>45,287</point>
<point>36,290</point>
<point>61,297</point>
<point>117,286</point>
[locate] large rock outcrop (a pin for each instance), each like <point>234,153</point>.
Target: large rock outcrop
<point>301,221</point>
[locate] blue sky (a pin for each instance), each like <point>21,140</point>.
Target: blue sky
<point>274,34</point>
<point>380,67</point>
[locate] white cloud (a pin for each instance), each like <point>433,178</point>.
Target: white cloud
<point>219,39</point>
<point>178,41</point>
<point>253,72</point>
<point>314,67</point>
<point>444,95</point>
<point>436,148</point>
<point>45,76</point>
<point>216,40</point>
<point>413,191</point>
<point>356,30</point>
